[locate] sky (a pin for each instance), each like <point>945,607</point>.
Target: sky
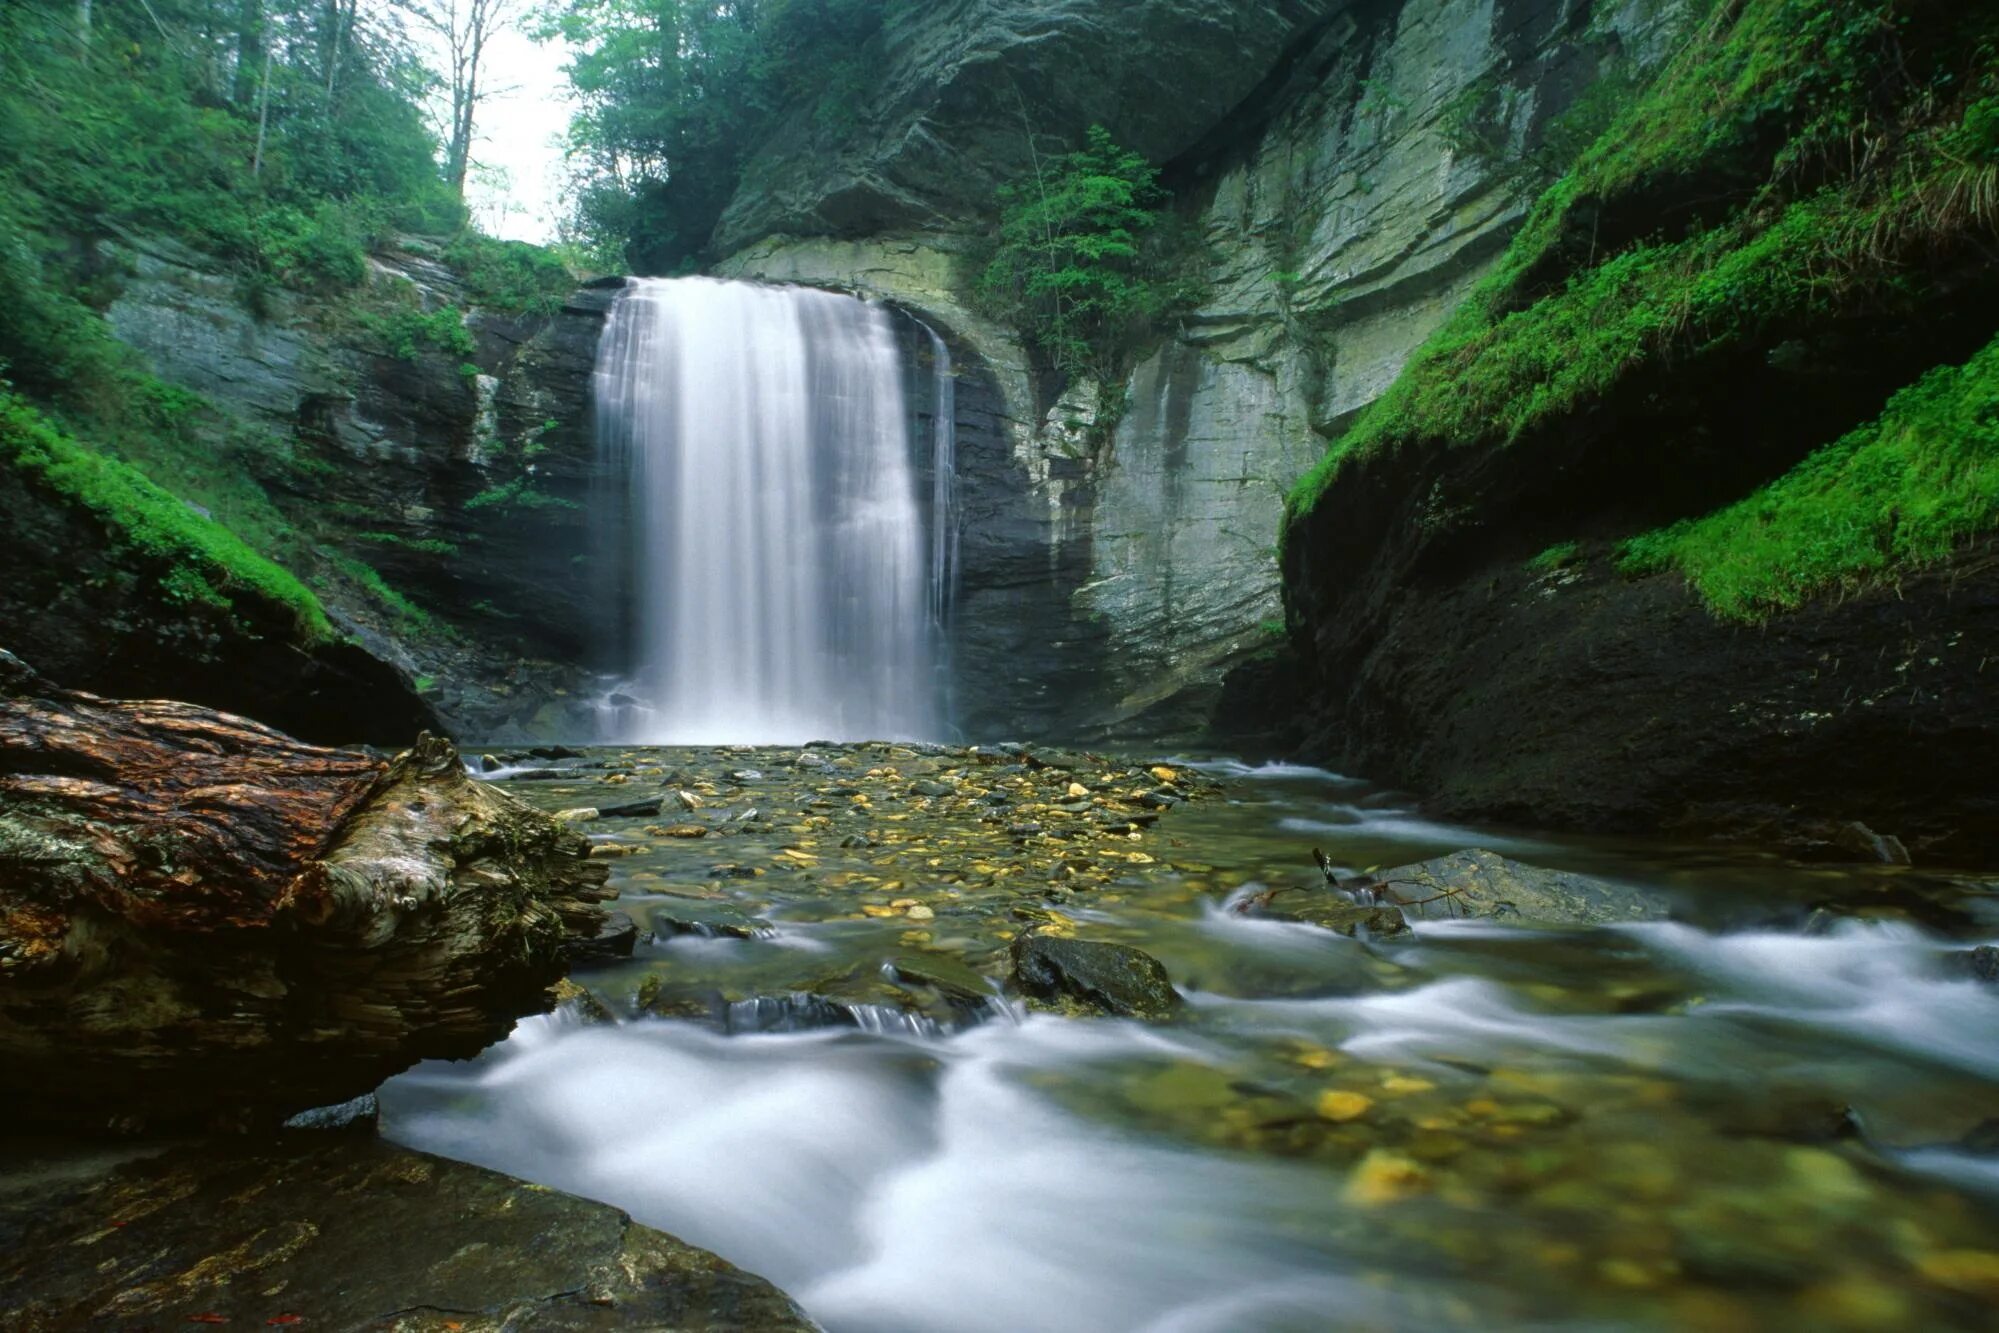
<point>520,135</point>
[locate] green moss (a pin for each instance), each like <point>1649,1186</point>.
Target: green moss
<point>1850,136</point>
<point>203,561</point>
<point>1559,556</point>
<point>1903,491</point>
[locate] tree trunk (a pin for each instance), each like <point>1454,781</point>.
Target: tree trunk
<point>205,922</point>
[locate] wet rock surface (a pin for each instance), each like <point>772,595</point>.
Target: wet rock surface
<point>1483,884</point>
<point>339,1231</point>
<point>1108,978</point>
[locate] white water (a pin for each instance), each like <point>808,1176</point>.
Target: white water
<point>782,569</point>
<point>898,1186</point>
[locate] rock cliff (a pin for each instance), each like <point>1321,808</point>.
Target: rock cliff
<point>1354,167</point>
<point>450,463</point>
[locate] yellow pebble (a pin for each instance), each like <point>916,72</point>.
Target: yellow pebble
<point>1339,1104</point>
<point>1165,774</point>
<point>1385,1177</point>
<point>1402,1085</point>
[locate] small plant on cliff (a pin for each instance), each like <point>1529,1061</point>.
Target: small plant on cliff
<point>1079,266</point>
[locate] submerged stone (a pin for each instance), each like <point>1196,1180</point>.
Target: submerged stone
<point>1109,978</point>
<point>1326,908</point>
<point>701,916</point>
<point>616,939</point>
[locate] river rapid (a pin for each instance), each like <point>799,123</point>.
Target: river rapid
<point>1778,1107</point>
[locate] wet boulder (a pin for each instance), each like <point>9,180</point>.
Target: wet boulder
<point>1092,975</point>
<point>343,1231</point>
<point>1485,885</point>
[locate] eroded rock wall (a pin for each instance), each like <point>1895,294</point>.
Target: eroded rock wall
<point>462,482</point>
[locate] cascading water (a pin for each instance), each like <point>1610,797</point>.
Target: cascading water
<point>782,585</point>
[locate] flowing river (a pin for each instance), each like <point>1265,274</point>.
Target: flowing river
<point>1776,1108</point>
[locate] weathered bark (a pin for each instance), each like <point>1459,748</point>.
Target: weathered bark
<point>203,921</point>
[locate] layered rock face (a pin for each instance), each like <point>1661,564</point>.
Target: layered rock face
<point>963,83</point>
<point>462,481</point>
<point>1354,168</point>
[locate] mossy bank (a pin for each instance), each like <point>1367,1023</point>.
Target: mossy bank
<point>1684,519</point>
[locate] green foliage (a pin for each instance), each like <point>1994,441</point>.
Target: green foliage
<point>1075,266</point>
<point>518,494</point>
<point>510,275</point>
<point>1905,490</point>
<point>674,97</point>
<point>1834,141</point>
<point>154,124</point>
<point>427,545</point>
<point>409,331</point>
<point>200,560</point>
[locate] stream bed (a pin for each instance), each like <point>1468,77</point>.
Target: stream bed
<point>1776,1107</point>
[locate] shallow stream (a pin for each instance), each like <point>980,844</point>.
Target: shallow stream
<point>1777,1109</point>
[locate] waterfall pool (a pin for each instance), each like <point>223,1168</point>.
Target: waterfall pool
<point>1777,1108</point>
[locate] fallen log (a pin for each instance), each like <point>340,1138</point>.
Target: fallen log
<point>206,922</point>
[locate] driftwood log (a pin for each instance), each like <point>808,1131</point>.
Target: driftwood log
<point>206,922</point>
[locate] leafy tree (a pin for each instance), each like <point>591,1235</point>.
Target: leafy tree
<point>1081,264</point>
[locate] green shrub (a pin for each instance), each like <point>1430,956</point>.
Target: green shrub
<point>406,613</point>
<point>1078,265</point>
<point>409,331</point>
<point>518,494</point>
<point>510,275</point>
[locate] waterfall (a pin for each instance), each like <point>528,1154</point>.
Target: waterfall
<point>944,477</point>
<point>779,585</point>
